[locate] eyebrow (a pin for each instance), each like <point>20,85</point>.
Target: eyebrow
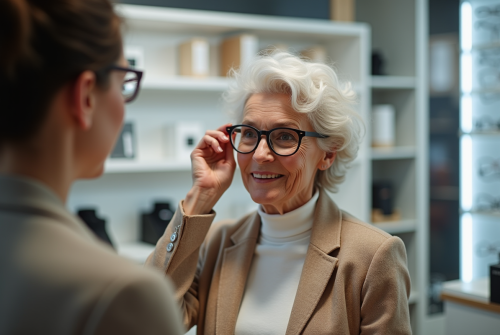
<point>286,124</point>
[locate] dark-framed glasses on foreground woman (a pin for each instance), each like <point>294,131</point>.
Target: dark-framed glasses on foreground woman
<point>282,141</point>
<point>131,82</point>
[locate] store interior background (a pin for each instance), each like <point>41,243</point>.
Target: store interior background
<point>443,109</point>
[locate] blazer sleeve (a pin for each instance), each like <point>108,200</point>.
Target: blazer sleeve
<point>139,306</point>
<point>181,264</point>
<point>385,292</point>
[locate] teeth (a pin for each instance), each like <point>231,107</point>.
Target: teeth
<point>266,176</point>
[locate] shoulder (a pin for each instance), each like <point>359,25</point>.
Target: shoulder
<point>367,239</point>
<point>146,298</point>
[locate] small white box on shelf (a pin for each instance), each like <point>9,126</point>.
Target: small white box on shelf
<point>383,126</point>
<point>180,138</point>
<point>237,51</point>
<point>134,56</point>
<point>194,57</point>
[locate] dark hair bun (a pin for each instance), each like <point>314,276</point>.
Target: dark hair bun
<point>15,34</point>
<point>44,45</point>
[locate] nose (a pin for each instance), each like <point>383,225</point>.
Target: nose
<point>263,153</point>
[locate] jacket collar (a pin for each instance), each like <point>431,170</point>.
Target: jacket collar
<point>317,271</point>
<point>327,224</point>
<point>235,268</point>
<point>26,195</point>
<point>318,265</point>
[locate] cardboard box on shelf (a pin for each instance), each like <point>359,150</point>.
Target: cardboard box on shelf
<point>194,58</point>
<point>342,10</point>
<point>236,51</point>
<point>315,54</point>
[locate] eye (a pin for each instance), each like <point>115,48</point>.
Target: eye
<point>286,137</point>
<point>248,133</point>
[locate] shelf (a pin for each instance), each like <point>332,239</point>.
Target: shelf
<point>392,82</point>
<point>397,227</point>
<point>483,212</point>
<point>213,84</point>
<point>393,153</point>
<point>188,20</point>
<point>483,46</point>
<point>488,90</point>
<point>132,166</point>
<point>484,132</point>
<point>135,251</point>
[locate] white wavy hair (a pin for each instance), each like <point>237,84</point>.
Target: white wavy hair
<point>315,89</point>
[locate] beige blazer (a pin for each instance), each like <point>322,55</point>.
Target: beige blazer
<point>56,278</point>
<point>354,280</point>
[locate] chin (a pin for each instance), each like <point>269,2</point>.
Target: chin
<point>94,173</point>
<point>263,197</point>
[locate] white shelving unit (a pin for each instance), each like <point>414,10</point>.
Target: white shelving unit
<point>129,187</point>
<point>399,32</point>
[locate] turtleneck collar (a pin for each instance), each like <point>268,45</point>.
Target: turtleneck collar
<point>290,226</point>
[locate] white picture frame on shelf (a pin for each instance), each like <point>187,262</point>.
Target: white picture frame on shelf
<point>135,56</point>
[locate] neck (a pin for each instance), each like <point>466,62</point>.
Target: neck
<point>47,160</point>
<point>291,204</point>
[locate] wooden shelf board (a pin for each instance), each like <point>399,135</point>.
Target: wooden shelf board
<point>397,227</point>
<point>393,153</point>
<point>392,82</point>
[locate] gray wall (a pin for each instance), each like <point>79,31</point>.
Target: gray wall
<point>316,9</point>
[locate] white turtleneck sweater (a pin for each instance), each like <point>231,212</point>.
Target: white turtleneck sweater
<point>275,272</point>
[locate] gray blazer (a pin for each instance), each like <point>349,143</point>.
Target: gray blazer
<point>56,278</point>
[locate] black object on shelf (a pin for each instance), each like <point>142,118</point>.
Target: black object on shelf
<point>378,63</point>
<point>383,197</point>
<point>495,283</point>
<point>155,223</point>
<point>125,144</point>
<point>95,223</point>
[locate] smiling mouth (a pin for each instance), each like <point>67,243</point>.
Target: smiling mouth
<point>266,176</point>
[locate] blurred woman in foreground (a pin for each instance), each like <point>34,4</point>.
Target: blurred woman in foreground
<point>63,85</point>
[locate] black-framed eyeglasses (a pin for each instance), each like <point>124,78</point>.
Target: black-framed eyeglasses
<point>282,141</point>
<point>131,82</point>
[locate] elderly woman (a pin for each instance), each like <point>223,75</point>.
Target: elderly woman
<point>298,264</point>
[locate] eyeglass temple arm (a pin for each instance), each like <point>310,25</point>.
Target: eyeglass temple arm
<point>313,134</point>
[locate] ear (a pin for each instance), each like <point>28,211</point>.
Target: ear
<point>84,100</point>
<point>327,160</point>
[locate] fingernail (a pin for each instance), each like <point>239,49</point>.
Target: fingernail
<point>219,149</point>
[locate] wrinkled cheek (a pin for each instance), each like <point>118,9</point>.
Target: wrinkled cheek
<point>293,182</point>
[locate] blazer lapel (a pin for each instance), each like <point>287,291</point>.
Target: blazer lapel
<point>234,272</point>
<point>319,265</point>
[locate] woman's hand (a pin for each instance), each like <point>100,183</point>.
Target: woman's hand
<point>213,168</point>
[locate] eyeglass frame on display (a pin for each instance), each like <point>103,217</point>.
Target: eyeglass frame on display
<point>493,203</point>
<point>129,69</point>
<point>260,133</point>
<point>489,168</point>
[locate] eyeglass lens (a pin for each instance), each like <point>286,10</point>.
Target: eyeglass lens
<point>283,141</point>
<point>129,85</point>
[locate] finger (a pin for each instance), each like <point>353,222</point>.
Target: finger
<point>230,154</point>
<point>219,135</point>
<point>213,143</point>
